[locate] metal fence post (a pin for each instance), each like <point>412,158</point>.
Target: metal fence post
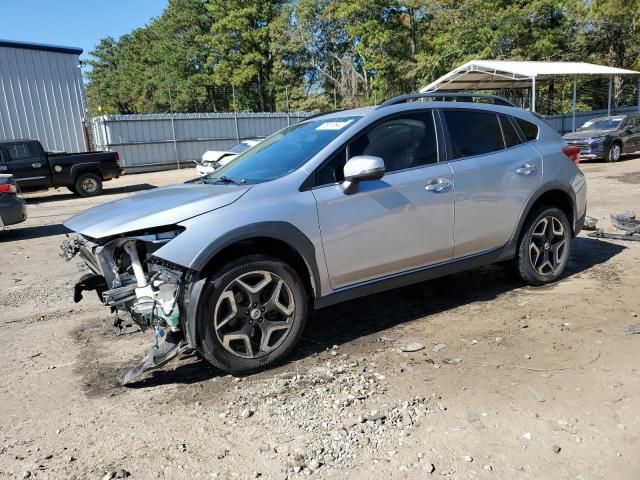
<point>235,117</point>
<point>175,141</point>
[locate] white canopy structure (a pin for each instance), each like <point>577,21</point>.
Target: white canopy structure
<point>501,74</point>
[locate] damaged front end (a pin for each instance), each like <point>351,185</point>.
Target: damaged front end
<point>128,278</point>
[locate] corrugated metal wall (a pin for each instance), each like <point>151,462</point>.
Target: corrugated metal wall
<point>42,98</point>
<point>181,137</point>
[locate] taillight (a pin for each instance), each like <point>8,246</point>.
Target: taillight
<point>118,159</point>
<point>9,188</point>
<point>573,153</point>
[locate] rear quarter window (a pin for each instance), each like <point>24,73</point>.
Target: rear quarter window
<point>529,130</point>
<point>473,132</point>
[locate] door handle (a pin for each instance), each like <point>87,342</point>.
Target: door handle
<point>438,185</point>
<point>36,165</point>
<point>526,169</point>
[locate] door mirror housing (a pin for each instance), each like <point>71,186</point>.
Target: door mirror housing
<point>363,167</point>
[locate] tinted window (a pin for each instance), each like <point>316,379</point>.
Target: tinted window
<point>402,142</point>
<point>333,170</point>
<point>284,151</point>
<point>628,122</point>
<point>511,137</point>
<point>19,151</point>
<point>529,129</point>
<point>473,132</point>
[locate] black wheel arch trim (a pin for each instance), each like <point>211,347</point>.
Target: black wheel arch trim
<point>546,188</point>
<point>281,231</point>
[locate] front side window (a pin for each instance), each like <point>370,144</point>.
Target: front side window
<point>473,132</point>
<point>283,152</point>
<point>402,142</point>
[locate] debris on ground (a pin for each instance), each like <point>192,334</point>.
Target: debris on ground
<point>411,347</point>
<point>590,223</point>
<point>634,328</point>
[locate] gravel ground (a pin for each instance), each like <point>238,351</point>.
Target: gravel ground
<point>468,376</point>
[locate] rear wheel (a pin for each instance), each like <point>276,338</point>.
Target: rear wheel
<point>88,185</point>
<point>252,314</point>
<point>544,247</point>
<point>614,152</point>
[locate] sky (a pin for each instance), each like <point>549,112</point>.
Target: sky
<point>74,23</point>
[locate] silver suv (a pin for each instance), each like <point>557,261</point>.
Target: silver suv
<point>336,207</point>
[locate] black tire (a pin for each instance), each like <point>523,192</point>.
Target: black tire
<point>531,267</point>
<point>614,152</point>
<point>214,309</point>
<point>88,185</point>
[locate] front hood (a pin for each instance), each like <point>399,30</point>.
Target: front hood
<point>154,208</point>
<point>586,134</point>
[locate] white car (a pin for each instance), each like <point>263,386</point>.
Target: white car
<point>214,159</point>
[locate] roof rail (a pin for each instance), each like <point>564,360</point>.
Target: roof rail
<point>320,114</point>
<point>455,96</point>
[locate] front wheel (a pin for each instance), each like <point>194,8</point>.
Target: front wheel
<point>544,247</point>
<point>614,152</point>
<point>251,315</point>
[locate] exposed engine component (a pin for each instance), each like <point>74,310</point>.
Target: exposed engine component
<point>127,279</point>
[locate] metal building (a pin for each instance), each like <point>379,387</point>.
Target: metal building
<point>42,95</point>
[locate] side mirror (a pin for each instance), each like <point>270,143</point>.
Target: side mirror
<point>360,169</point>
<point>363,168</point>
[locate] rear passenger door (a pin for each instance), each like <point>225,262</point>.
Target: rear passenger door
<point>495,172</point>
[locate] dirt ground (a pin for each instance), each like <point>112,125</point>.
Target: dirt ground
<point>513,382</point>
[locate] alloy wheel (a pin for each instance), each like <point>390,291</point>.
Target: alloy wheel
<point>615,152</point>
<point>89,185</point>
<point>254,314</point>
<point>548,246</point>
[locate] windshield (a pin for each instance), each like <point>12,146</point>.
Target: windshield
<point>604,124</point>
<point>239,148</point>
<point>284,151</point>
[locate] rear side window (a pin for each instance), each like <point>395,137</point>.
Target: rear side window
<point>19,151</point>
<point>511,137</point>
<point>529,129</point>
<point>473,132</point>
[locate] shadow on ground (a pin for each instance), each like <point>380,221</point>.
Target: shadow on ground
<point>64,194</point>
<point>345,322</point>
<point>28,233</point>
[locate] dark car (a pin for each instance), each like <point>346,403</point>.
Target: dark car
<point>607,137</point>
<point>34,168</point>
<point>13,209</point>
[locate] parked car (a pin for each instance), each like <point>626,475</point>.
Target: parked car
<point>13,209</point>
<point>33,168</point>
<point>213,159</point>
<point>607,138</point>
<point>336,207</point>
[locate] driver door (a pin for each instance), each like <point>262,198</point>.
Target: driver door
<point>394,224</point>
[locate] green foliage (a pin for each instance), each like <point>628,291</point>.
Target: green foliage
<point>215,55</point>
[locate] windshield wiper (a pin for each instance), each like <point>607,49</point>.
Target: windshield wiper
<point>223,179</point>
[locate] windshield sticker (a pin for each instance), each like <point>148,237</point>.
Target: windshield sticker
<point>333,125</point>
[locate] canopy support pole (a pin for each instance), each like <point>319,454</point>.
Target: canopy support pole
<point>573,104</point>
<point>609,100</point>
<point>533,94</point>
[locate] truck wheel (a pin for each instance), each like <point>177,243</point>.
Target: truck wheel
<point>88,185</point>
<point>544,247</point>
<point>613,155</point>
<point>252,314</point>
